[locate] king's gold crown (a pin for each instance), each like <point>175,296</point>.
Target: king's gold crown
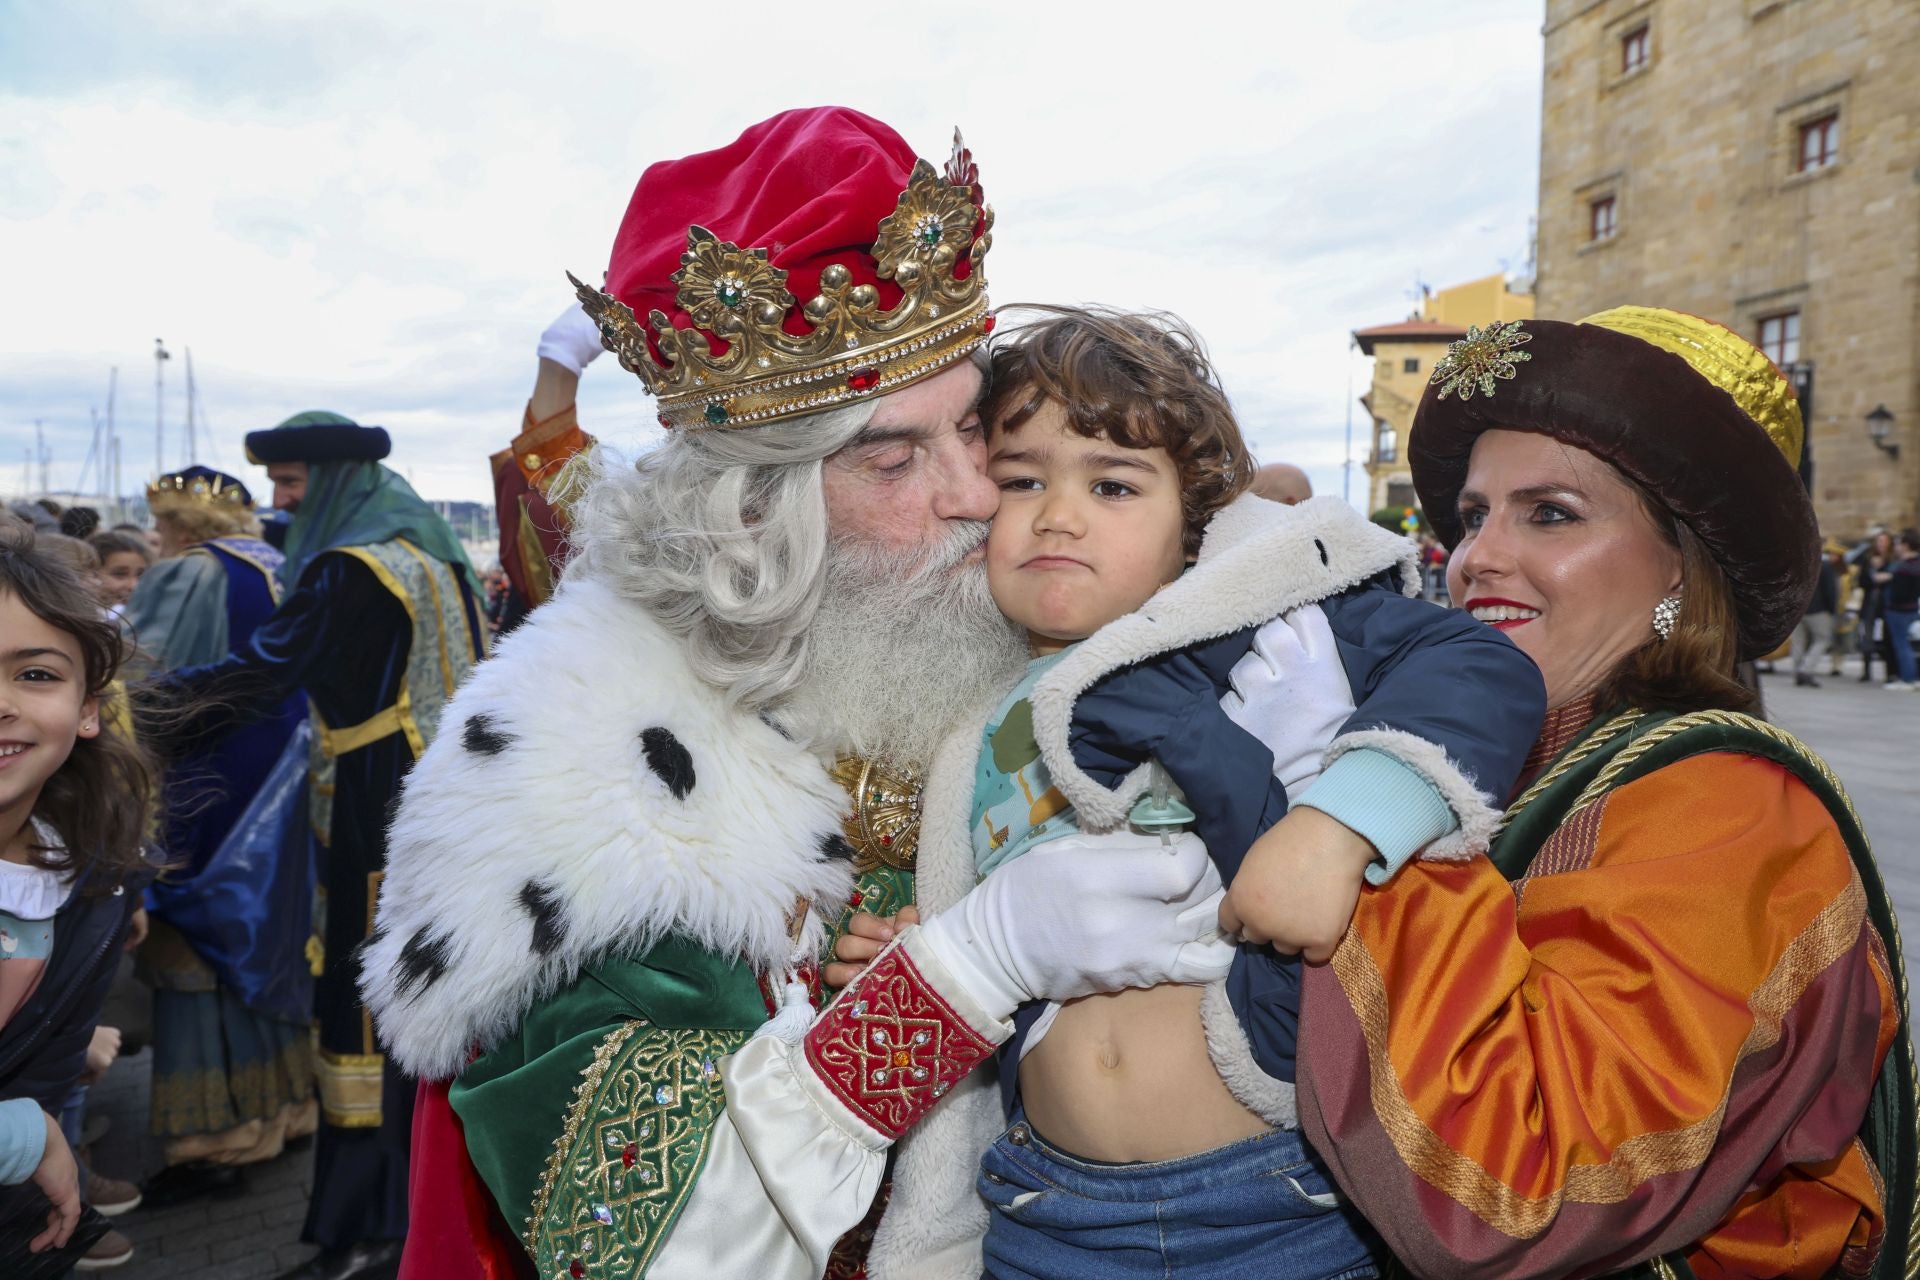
<point>853,348</point>
<point>212,491</point>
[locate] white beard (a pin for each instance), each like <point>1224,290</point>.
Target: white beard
<point>902,648</point>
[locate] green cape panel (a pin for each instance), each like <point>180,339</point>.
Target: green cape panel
<point>515,1100</point>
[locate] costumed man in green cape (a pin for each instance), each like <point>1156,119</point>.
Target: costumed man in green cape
<point>379,623</point>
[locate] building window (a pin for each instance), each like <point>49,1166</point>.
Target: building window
<point>1600,219</point>
<point>1634,48</point>
<point>1386,443</point>
<point>1410,365</point>
<point>1780,337</point>
<point>1820,142</point>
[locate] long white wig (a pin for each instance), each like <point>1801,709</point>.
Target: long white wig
<point>722,537</point>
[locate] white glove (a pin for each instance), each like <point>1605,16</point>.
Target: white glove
<point>1085,914</point>
<point>572,340</point>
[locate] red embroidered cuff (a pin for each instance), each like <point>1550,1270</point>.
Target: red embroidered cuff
<point>890,1046</point>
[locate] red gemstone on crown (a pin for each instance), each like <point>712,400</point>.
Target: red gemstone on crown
<point>865,378</point>
<point>666,422</point>
<point>987,323</point>
<point>886,839</point>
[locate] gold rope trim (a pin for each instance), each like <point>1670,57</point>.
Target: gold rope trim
<point>1501,1207</point>
<point>583,1096</point>
<point>1630,755</point>
<point>1597,739</point>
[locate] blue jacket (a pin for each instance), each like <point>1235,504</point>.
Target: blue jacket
<point>1448,705</point>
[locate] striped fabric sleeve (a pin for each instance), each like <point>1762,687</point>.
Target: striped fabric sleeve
<point>1683,1002</point>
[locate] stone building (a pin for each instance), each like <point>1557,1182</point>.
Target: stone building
<point>1756,162</point>
<point>1403,357</point>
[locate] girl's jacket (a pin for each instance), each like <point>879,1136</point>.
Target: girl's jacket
<point>43,1046</point>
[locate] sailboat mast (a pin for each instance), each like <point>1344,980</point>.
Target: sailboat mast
<point>113,445</point>
<point>193,444</point>
<point>160,358</point>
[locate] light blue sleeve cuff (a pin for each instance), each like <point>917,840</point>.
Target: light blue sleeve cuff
<point>23,1139</point>
<point>1386,800</point>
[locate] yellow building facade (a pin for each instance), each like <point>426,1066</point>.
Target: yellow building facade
<point>1403,355</point>
<point>1756,162</point>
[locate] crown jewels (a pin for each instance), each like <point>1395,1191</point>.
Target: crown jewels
<point>212,491</point>
<point>852,348</point>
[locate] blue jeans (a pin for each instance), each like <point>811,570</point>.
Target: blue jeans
<point>1898,621</point>
<point>73,1123</point>
<point>1262,1207</point>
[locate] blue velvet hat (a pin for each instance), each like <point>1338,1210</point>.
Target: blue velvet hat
<point>318,436</point>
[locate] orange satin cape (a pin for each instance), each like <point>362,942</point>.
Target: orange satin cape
<point>1661,1038</point>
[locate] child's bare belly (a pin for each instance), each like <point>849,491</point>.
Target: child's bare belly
<point>1126,1076</point>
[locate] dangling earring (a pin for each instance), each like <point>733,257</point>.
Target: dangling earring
<point>1665,614</point>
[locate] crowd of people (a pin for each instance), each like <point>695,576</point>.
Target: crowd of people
<point>263,700</point>
<point>946,811</point>
<point>1867,603</point>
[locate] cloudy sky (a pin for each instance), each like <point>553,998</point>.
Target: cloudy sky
<point>367,207</point>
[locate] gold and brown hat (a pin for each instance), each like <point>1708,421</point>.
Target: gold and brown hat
<point>1685,407</point>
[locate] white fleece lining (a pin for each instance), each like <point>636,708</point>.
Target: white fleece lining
<point>1259,560</point>
<point>1270,1099</point>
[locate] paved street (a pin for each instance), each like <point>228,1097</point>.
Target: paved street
<point>1870,736</point>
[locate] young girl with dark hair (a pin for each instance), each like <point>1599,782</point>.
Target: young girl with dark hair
<point>74,796</point>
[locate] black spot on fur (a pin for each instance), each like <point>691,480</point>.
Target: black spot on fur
<point>834,847</point>
<point>766,718</point>
<point>1321,547</point>
<point>423,962</point>
<point>543,904</point>
<point>480,737</point>
<point>666,757</point>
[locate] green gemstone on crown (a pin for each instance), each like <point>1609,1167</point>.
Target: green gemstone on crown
<point>717,414</point>
<point>729,292</point>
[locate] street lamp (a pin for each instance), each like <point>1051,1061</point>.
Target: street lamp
<point>1880,426</point>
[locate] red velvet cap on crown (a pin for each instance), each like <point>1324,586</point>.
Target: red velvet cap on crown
<point>827,301</point>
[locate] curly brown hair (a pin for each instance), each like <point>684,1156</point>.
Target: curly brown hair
<point>99,799</point>
<point>1140,379</point>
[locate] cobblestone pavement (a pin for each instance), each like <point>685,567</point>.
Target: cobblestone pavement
<point>1870,736</point>
<point>247,1237</point>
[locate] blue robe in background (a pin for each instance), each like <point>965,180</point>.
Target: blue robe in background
<point>233,1065</point>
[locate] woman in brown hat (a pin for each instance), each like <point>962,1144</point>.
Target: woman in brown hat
<point>1661,1026</point>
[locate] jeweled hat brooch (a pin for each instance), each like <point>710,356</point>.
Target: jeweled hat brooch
<point>832,207</point>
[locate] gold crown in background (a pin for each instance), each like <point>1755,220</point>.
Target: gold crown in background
<point>853,349</point>
<point>212,491</point>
